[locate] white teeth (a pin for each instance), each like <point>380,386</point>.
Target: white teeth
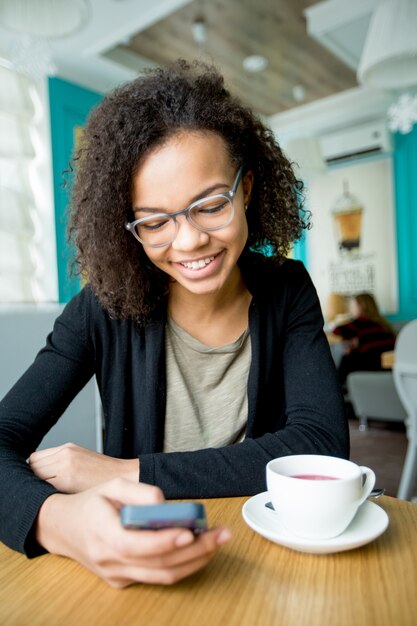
<point>196,265</point>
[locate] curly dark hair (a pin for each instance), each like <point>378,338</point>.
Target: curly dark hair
<point>121,131</point>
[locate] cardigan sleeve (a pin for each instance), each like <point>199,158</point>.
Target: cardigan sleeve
<point>314,423</point>
<point>28,411</point>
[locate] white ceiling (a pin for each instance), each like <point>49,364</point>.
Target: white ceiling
<point>339,25</point>
<point>79,56</point>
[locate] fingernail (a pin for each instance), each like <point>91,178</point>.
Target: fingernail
<point>224,536</point>
<point>184,539</point>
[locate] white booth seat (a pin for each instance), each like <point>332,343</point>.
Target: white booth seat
<point>374,396</point>
<point>23,331</point>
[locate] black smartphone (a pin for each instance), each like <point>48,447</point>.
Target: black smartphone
<point>190,515</point>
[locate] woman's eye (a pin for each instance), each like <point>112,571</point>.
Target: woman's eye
<point>154,225</point>
<point>213,207</point>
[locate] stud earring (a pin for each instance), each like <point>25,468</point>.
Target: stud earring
<point>246,207</point>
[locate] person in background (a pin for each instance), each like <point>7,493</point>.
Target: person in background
<point>336,310</point>
<point>209,354</point>
<point>366,336</point>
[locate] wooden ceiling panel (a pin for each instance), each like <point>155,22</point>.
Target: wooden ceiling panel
<point>238,28</point>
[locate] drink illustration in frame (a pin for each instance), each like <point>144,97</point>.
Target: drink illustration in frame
<point>347,217</point>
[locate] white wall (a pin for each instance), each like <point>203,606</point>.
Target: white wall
<point>372,184</point>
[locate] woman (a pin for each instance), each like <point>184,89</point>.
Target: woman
<point>210,357</point>
<point>367,335</point>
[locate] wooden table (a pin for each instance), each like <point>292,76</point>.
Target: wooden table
<point>250,582</point>
<point>387,359</point>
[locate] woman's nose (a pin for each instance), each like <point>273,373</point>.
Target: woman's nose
<point>188,237</point>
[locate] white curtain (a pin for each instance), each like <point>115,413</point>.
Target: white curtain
<point>21,232</point>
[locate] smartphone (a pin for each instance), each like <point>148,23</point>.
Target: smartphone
<point>190,515</point>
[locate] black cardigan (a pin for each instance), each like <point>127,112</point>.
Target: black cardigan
<point>294,400</point>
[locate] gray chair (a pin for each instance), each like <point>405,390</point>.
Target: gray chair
<point>374,396</point>
<point>405,378</point>
<point>23,331</point>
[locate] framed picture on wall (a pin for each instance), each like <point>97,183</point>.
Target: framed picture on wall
<point>352,245</point>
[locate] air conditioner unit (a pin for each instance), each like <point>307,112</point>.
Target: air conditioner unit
<point>356,142</point>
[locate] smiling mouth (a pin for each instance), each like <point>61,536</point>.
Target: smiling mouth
<point>197,265</point>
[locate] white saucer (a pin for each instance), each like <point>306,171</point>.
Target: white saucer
<point>369,522</point>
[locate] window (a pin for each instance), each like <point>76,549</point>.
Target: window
<point>27,238</point>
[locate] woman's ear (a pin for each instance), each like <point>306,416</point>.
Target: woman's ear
<point>247,183</point>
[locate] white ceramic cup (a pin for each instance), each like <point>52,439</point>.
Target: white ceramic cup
<point>316,497</point>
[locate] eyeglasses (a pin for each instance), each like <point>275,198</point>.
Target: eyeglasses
<point>207,214</point>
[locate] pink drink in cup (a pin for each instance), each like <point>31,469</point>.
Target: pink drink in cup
<point>316,496</point>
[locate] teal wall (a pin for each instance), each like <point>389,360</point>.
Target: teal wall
<point>299,251</point>
<point>405,174</point>
<point>69,108</point>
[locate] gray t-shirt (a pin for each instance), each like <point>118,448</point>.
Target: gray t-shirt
<point>207,402</point>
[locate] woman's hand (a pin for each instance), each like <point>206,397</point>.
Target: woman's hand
<point>351,345</point>
<point>86,527</point>
<point>71,468</point>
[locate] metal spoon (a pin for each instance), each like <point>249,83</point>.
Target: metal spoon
<point>375,493</point>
